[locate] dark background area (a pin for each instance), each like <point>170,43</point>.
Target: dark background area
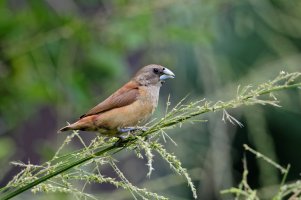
<point>60,58</point>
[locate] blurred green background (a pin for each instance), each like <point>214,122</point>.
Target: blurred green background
<point>60,58</point>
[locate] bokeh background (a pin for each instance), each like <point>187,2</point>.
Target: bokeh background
<point>59,58</point>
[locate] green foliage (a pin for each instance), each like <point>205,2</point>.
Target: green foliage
<point>244,191</point>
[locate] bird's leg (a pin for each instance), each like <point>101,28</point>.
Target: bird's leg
<point>142,128</point>
<point>122,138</point>
<point>127,129</point>
<point>131,129</point>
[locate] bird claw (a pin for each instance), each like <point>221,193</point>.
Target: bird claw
<point>143,129</point>
<point>126,129</point>
<point>131,129</point>
<point>122,139</point>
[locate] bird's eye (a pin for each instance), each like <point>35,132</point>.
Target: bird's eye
<point>156,70</point>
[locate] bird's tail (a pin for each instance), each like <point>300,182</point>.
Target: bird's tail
<point>66,128</point>
<point>82,124</point>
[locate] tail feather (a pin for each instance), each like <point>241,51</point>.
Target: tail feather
<point>66,128</point>
<point>82,124</point>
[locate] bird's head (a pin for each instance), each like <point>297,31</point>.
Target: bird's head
<point>153,75</point>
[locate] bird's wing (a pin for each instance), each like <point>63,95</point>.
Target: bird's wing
<point>122,97</point>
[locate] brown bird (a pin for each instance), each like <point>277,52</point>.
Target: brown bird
<point>127,107</point>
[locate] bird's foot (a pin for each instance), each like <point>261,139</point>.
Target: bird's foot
<point>122,138</point>
<point>131,129</point>
<point>126,129</point>
<point>143,128</point>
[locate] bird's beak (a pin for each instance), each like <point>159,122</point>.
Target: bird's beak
<point>167,74</point>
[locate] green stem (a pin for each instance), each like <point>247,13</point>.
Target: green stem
<point>50,175</point>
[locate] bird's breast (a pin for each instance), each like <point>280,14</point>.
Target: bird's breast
<point>149,96</point>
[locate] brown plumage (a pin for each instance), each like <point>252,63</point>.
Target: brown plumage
<point>131,104</point>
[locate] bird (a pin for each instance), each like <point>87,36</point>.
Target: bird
<point>129,106</point>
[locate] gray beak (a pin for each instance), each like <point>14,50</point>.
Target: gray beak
<point>167,74</point>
